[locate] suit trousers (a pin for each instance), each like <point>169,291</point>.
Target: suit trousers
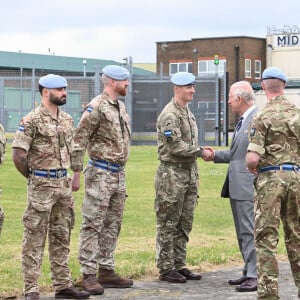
<point>243,215</point>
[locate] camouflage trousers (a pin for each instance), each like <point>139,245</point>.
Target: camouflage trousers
<point>49,211</point>
<point>277,196</point>
<point>176,197</point>
<point>1,218</point>
<point>102,212</point>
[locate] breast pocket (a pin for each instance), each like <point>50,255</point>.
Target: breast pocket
<point>45,139</point>
<point>111,125</point>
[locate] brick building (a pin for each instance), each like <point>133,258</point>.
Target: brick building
<point>245,57</point>
<point>240,57</point>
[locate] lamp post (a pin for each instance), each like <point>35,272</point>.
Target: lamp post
<point>84,62</point>
<point>217,118</point>
<point>21,79</point>
<point>195,64</point>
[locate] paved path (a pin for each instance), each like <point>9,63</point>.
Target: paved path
<point>213,286</point>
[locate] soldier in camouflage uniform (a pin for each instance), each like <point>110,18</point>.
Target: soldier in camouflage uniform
<point>2,152</point>
<point>104,131</point>
<point>41,153</point>
<point>176,181</point>
<point>274,156</point>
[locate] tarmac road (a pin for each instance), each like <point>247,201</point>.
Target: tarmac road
<point>213,286</point>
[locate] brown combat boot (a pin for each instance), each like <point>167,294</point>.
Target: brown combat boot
<point>32,296</point>
<point>90,284</point>
<point>109,279</point>
<point>71,293</point>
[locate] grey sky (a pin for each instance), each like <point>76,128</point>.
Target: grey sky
<point>114,29</point>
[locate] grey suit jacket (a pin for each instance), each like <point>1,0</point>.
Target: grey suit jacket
<point>238,184</point>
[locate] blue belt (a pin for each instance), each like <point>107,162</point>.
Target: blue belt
<point>105,165</point>
<point>284,167</point>
<point>55,173</point>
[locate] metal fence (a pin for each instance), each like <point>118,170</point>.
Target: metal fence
<point>150,95</point>
<point>19,95</point>
<point>145,99</point>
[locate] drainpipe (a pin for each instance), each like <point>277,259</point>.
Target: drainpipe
<point>237,62</point>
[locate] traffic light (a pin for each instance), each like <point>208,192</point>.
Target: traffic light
<point>216,60</point>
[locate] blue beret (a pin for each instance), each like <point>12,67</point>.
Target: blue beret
<point>273,72</point>
<point>52,81</point>
<point>183,78</point>
<point>116,72</point>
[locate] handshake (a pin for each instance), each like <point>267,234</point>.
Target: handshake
<point>208,154</point>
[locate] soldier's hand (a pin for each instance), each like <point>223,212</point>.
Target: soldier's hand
<point>76,182</point>
<point>208,154</point>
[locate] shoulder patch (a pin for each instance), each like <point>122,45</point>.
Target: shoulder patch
<point>168,133</point>
<point>89,108</point>
<point>21,128</point>
<point>169,139</point>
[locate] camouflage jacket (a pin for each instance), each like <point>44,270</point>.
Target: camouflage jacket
<point>47,141</point>
<point>103,130</point>
<point>275,133</point>
<point>2,143</point>
<point>177,134</point>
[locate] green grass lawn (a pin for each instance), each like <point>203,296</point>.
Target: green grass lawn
<point>212,242</point>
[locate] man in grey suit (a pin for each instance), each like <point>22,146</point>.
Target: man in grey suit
<point>238,185</point>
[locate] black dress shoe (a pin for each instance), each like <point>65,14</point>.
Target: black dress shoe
<point>189,275</point>
<point>71,293</point>
<point>238,281</point>
<point>250,285</point>
<point>173,277</point>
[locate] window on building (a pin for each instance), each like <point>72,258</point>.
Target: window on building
<point>257,70</point>
<point>207,67</point>
<point>180,67</point>
<point>247,68</point>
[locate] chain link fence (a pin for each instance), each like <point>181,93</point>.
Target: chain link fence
<point>151,94</point>
<point>145,99</point>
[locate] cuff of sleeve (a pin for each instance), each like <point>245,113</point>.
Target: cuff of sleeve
<point>256,148</point>
<point>77,161</point>
<point>76,168</point>
<point>22,145</point>
<point>199,151</point>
